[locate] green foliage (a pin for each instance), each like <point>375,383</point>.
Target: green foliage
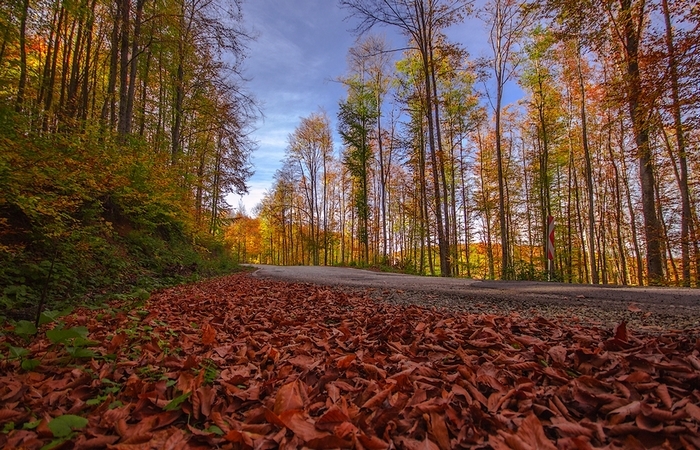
<point>61,336</point>
<point>63,426</point>
<point>25,328</point>
<point>107,215</point>
<point>527,271</point>
<point>177,402</point>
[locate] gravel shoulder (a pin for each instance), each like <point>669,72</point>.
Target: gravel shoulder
<point>646,310</point>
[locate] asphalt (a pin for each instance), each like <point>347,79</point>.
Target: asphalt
<point>660,297</point>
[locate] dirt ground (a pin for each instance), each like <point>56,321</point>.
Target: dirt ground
<point>645,309</point>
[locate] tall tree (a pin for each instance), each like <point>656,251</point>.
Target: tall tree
<point>687,228</point>
<point>357,118</point>
<point>311,144</point>
<point>508,20</point>
<point>422,21</point>
<point>631,17</point>
<point>371,57</point>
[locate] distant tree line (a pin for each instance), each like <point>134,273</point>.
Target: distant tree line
<point>436,175</point>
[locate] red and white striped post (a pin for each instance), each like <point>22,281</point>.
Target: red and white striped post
<point>550,246</point>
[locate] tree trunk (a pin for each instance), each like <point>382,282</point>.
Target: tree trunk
<point>109,110</point>
<point>686,214</point>
<point>135,53</point>
<point>22,86</point>
<point>445,254</point>
<point>589,171</point>
<point>632,214</point>
<point>618,212</point>
<point>640,127</point>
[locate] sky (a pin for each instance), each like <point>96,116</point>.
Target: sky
<point>301,48</point>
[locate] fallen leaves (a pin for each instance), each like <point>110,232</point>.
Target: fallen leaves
<point>244,363</point>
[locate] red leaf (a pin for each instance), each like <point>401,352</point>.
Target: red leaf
<point>372,442</point>
<point>438,430</point>
<point>412,444</point>
<point>331,419</point>
<point>346,361</point>
<point>621,332</point>
<point>693,411</point>
<point>296,421</point>
<point>208,335</point>
<point>206,396</point>
<point>570,429</point>
<point>288,398</point>
<point>237,437</point>
<point>377,399</point>
<point>558,354</point>
<point>634,308</point>
<point>304,362</point>
<point>7,414</point>
<point>83,443</point>
<point>531,432</point>
<point>619,415</point>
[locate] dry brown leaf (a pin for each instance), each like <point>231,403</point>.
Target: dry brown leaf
<point>369,381</point>
<point>331,419</point>
<point>372,442</point>
<point>620,414</point>
<point>438,430</point>
<point>693,411</point>
<point>558,354</point>
<point>288,398</point>
<point>208,335</point>
<point>377,399</point>
<point>346,361</point>
<point>621,332</point>
<point>532,434</point>
<point>296,420</point>
<point>412,444</point>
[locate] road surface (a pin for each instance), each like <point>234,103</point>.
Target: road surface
<point>650,306</point>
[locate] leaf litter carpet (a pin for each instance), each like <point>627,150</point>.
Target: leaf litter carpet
<point>239,363</point>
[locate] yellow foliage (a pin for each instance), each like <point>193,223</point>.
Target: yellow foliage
<point>245,238</point>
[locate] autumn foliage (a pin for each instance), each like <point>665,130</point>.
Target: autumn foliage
<point>238,362</point>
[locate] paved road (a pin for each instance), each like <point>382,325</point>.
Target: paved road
<point>476,289</point>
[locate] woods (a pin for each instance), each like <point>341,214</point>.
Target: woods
<point>123,126</point>
<point>566,150</point>
<point>441,170</point>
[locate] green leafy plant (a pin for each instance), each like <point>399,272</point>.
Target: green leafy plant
<point>74,340</point>
<point>177,402</point>
<point>63,426</point>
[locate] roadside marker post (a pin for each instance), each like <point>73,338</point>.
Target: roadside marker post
<point>550,246</point>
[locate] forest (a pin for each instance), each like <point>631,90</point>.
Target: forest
<point>437,175</point>
<point>123,125</point>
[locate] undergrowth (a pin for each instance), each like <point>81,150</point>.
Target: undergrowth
<point>86,218</point>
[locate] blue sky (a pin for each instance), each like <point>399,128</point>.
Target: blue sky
<point>300,49</point>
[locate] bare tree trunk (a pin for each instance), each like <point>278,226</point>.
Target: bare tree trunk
<point>633,220</point>
<point>640,127</point>
<point>109,106</point>
<point>581,227</point>
<point>442,243</point>
<point>618,212</point>
<point>589,171</point>
<point>67,52</point>
<point>445,270</point>
<point>686,214</point>
<point>22,86</point>
<point>85,93</point>
<point>135,53</point>
<point>125,10</point>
